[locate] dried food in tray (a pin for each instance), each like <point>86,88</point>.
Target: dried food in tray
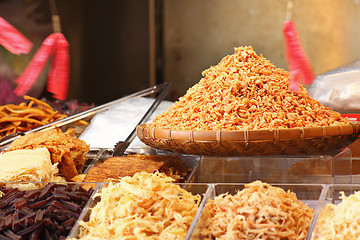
<point>108,168</point>
<point>28,115</point>
<point>339,213</point>
<point>38,168</point>
<point>69,153</point>
<point>247,218</point>
<point>137,191</point>
<point>50,212</point>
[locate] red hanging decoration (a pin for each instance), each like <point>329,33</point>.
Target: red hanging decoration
<point>12,39</point>
<point>32,72</point>
<point>299,64</point>
<point>58,78</point>
<point>56,46</point>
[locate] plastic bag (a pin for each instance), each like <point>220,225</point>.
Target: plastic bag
<point>339,89</point>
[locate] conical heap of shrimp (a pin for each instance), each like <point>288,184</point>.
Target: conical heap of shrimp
<point>245,91</point>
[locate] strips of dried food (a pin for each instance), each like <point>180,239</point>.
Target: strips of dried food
<point>38,214</point>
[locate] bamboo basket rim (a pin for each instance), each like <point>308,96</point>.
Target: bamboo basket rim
<point>299,133</point>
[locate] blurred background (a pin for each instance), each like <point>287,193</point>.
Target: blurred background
<point>120,47</point>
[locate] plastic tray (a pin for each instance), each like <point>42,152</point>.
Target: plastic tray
<point>20,185</point>
<point>332,195</point>
<point>315,195</point>
<point>99,155</point>
<point>319,169</point>
<point>201,189</point>
<point>311,194</point>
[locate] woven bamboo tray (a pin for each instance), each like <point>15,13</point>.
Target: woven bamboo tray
<point>294,141</point>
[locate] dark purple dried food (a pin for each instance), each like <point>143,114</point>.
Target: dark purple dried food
<point>31,194</point>
<point>29,229</point>
<point>13,236</point>
<point>47,235</point>
<point>26,210</point>
<point>47,222</point>
<point>6,201</point>
<point>61,196</point>
<point>16,217</point>
<point>20,202</point>
<point>67,213</point>
<point>47,213</point>
<point>58,205</point>
<point>47,190</point>
<point>2,237</point>
<point>37,205</point>
<point>71,206</point>
<point>39,216</point>
<point>8,221</point>
<point>69,223</point>
<point>22,222</point>
<point>2,225</point>
<point>35,235</point>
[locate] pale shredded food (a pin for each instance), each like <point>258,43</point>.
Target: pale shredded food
<point>259,211</point>
<point>145,206</point>
<point>342,221</point>
<point>245,91</point>
<point>28,169</point>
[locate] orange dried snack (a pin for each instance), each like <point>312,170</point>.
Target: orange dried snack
<point>245,92</point>
<point>67,151</point>
<point>26,116</point>
<point>259,211</point>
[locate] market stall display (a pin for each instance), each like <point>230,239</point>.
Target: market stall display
<point>244,106</point>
